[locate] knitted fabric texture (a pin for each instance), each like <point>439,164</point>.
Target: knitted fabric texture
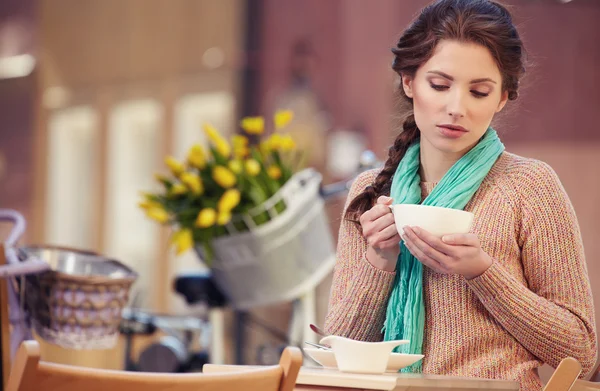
<point>405,315</point>
<point>532,306</point>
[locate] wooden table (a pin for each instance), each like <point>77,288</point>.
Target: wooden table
<point>321,379</point>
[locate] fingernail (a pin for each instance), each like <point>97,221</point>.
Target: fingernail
<point>416,230</point>
<point>401,232</point>
<point>447,238</point>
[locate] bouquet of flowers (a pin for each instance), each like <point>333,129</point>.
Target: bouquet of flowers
<point>214,191</point>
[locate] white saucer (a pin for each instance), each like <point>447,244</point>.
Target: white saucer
<point>397,361</point>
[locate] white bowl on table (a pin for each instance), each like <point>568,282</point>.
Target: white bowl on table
<point>360,356</point>
<point>325,358</point>
<point>434,219</point>
<point>397,361</point>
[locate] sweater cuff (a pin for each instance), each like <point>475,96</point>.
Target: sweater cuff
<point>367,272</point>
<point>494,280</point>
<point>371,284</point>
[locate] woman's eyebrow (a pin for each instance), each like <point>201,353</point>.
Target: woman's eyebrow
<point>447,76</point>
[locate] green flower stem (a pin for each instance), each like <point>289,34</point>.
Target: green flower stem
<point>209,253</point>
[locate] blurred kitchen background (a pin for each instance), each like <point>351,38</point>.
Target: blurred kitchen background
<point>93,95</point>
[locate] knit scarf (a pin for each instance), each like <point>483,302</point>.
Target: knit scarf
<point>405,315</point>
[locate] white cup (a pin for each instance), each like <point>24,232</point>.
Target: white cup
<point>434,219</point>
<point>361,356</point>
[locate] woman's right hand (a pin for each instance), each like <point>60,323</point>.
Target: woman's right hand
<point>380,231</point>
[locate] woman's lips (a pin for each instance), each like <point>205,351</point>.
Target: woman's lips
<point>452,132</point>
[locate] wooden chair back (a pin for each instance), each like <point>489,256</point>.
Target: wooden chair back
<point>28,373</point>
<point>589,385</point>
<point>564,376</point>
<point>585,385</point>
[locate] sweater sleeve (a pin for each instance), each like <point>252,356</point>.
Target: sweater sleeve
<point>553,316</point>
<point>359,291</point>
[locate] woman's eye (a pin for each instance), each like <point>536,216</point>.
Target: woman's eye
<point>479,94</point>
<point>439,87</point>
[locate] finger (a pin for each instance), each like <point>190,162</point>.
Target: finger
<point>389,231</point>
<point>433,241</point>
<point>377,211</point>
<point>392,242</point>
<point>384,200</point>
<point>424,247</point>
<point>380,224</point>
<point>424,259</point>
<point>469,239</point>
<point>374,213</point>
<point>385,234</point>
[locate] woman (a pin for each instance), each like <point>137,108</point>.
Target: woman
<point>512,294</point>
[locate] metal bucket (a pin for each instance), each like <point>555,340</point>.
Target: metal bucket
<point>77,302</point>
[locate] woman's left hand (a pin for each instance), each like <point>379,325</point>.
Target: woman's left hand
<point>452,254</point>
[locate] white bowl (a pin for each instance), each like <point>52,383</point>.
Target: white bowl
<point>325,358</point>
<point>360,356</point>
<point>434,219</point>
<point>396,361</point>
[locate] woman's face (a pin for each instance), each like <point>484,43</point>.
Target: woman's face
<point>455,96</point>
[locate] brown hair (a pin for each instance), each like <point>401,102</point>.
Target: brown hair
<point>483,22</point>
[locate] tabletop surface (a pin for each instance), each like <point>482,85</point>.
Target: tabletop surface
<point>318,376</point>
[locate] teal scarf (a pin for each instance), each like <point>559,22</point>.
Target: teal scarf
<point>405,316</point>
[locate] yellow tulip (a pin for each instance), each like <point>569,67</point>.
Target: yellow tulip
<point>229,200</point>
<point>147,204</point>
<point>161,178</point>
<point>287,143</point>
<point>265,147</point>
<point>274,172</point>
<point>252,167</point>
<point>235,166</point>
<point>224,177</point>
<point>158,213</point>
<point>220,144</point>
<point>193,182</point>
<point>196,157</point>
<point>174,165</point>
<point>240,146</point>
<point>240,152</point>
<point>253,125</point>
<point>275,141</point>
<point>178,189</point>
<point>206,218</point>
<point>224,217</point>
<point>239,141</point>
<point>282,118</point>
<point>183,240</point>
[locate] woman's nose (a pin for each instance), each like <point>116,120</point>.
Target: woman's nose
<point>456,105</point>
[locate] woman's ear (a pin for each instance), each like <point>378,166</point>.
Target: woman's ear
<point>407,81</point>
<point>503,101</point>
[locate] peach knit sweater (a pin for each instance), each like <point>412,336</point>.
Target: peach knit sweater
<point>532,306</point>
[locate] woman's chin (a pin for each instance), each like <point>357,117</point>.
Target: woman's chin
<point>451,146</point>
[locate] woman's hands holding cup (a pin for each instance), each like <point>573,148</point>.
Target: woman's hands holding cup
<point>452,254</point>
<point>379,229</point>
